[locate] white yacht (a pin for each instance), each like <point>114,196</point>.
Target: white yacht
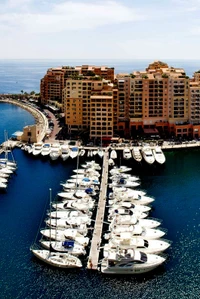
<point>125,176</point>
<point>55,151</point>
<point>68,246</point>
<point>136,154</point>
<point>120,169</point>
<point>65,152</point>
<point>46,149</point>
<point>124,206</point>
<point>127,153</point>
<point>133,220</point>
<point>74,152</point>
<point>124,182</point>
<point>148,154</point>
<point>138,231</point>
<point>148,246</point>
<point>37,148</point>
<point>113,154</point>
<point>57,259</point>
<point>159,155</point>
<point>3,185</point>
<point>100,152</point>
<point>80,205</point>
<point>130,262</point>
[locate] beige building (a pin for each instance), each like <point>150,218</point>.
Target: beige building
<point>30,134</point>
<point>88,105</point>
<point>54,81</point>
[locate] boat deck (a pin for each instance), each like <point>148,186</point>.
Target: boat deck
<point>96,239</point>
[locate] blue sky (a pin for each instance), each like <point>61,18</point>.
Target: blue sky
<point>106,29</point>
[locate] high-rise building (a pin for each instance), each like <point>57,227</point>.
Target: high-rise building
<point>52,84</point>
<point>88,105</point>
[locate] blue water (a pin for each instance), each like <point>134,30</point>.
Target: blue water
<point>18,75</point>
<point>22,209</point>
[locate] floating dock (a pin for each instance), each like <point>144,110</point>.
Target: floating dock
<point>97,233</point>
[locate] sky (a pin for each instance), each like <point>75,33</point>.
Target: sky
<point>106,29</point>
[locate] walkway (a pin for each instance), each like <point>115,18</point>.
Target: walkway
<point>96,239</point>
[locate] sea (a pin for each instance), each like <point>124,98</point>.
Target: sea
<point>23,208</point>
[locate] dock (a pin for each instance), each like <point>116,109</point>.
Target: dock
<point>97,233</point>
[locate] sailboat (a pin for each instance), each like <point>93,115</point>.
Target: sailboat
<point>56,258</point>
<point>8,160</point>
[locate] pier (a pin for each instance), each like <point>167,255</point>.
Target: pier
<point>96,239</point>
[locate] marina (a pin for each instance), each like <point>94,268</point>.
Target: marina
<point>178,208</point>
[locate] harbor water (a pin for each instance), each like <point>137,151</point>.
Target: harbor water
<point>175,186</point>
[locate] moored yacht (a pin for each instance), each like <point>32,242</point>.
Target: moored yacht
<point>55,151</point>
<point>148,154</point>
<point>159,155</point>
<point>136,154</point>
<point>130,262</point>
<point>57,259</point>
<point>127,153</point>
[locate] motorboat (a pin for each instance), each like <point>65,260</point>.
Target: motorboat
<point>94,152</point>
<point>65,152</point>
<point>125,176</point>
<point>67,214</point>
<point>113,154</point>
<point>3,180</point>
<point>82,152</point>
<point>134,196</point>
<point>127,153</point>
<point>124,182</point>
<point>84,180</point>
<point>159,155</point>
<point>149,246</point>
<point>65,234</point>
<point>120,169</point>
<point>5,169</point>
<point>111,162</point>
<point>90,190</point>
<point>55,151</point>
<point>57,259</point>
<point>132,212</point>
<point>4,175</point>
<point>91,164</point>
<point>132,220</point>
<point>3,185</point>
<point>68,246</point>
<point>74,152</point>
<point>82,185</point>
<point>90,153</point>
<point>148,154</point>
<point>91,173</point>
<point>126,191</point>
<point>74,195</point>
<point>37,148</point>
<point>136,154</point>
<point>130,262</point>
<point>81,205</point>
<point>82,172</point>
<point>137,230</point>
<point>100,152</point>
<point>78,224</point>
<point>123,206</point>
<point>46,149</point>
<point>75,222</point>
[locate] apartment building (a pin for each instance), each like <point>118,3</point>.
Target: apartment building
<point>157,99</point>
<point>52,84</point>
<point>89,105</point>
